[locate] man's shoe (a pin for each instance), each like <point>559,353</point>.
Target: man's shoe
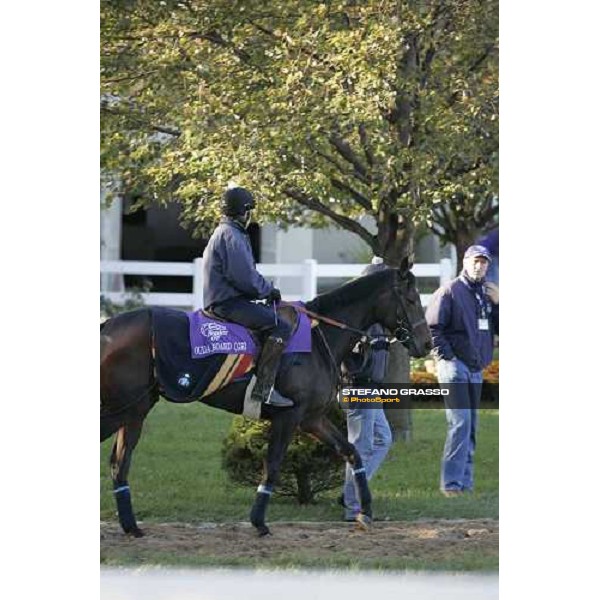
<point>452,493</point>
<point>278,401</point>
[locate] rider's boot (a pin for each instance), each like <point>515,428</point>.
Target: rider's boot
<point>266,371</point>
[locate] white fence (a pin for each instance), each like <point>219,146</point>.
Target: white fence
<point>308,272</point>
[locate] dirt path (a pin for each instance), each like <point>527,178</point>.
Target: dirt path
<point>429,542</point>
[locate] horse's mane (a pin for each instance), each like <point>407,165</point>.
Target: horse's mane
<point>352,291</point>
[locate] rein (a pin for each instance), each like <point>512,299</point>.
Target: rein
<point>365,336</point>
<point>339,324</point>
<point>403,333</point>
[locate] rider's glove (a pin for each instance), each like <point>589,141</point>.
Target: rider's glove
<point>274,295</point>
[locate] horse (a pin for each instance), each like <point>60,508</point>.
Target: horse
<point>130,389</point>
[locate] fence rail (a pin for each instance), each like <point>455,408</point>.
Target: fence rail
<point>308,272</point>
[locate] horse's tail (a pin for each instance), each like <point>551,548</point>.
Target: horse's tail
<point>104,339</point>
<point>124,380</point>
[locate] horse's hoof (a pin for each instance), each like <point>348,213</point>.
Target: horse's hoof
<point>363,522</point>
<point>263,531</point>
<point>136,532</point>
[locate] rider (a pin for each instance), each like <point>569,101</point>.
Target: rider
<point>231,283</point>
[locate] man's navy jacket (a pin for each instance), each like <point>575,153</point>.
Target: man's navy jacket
<point>452,316</point>
<point>229,267</point>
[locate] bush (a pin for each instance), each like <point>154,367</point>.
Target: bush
<point>308,468</point>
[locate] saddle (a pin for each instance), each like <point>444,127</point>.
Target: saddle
<point>211,334</point>
<point>287,313</point>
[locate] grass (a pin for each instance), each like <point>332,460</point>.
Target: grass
<point>176,476</point>
<point>176,473</point>
<point>472,560</point>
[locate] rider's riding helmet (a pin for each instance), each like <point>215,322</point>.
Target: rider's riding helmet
<point>236,201</point>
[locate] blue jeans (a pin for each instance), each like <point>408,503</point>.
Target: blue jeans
<point>461,415</point>
<point>369,431</point>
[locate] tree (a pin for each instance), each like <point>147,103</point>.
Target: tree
<point>464,220</point>
<point>328,111</point>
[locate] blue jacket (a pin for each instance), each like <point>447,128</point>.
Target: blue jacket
<point>229,267</point>
<point>452,316</point>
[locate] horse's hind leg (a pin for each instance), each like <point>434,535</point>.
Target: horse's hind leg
<point>127,438</point>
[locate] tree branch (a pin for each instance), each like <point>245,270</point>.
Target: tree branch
<point>344,222</point>
<point>327,157</point>
<point>344,187</point>
<point>364,140</point>
<point>482,58</point>
<point>130,77</point>
<point>141,122</point>
<point>285,38</point>
<point>346,152</point>
<point>437,230</point>
<point>216,38</point>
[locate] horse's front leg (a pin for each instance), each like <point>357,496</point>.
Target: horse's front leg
<point>282,430</point>
<point>327,433</point>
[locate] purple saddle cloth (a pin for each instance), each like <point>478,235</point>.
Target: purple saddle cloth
<point>211,336</point>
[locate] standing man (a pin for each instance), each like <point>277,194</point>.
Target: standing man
<point>463,317</point>
<point>232,282</point>
<point>368,427</point>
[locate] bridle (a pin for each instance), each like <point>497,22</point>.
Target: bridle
<point>403,333</point>
<point>405,330</point>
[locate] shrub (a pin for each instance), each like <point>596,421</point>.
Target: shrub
<point>422,377</point>
<point>308,468</point>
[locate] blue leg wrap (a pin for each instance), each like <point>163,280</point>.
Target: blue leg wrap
<point>264,489</point>
<point>126,517</point>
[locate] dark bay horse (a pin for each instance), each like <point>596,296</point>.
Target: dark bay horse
<point>129,388</point>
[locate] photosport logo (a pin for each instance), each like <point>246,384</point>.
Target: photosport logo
<point>213,331</point>
<point>418,395</point>
<point>394,395</point>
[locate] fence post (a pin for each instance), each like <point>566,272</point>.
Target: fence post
<point>309,279</point>
<point>446,273</point>
<point>197,291</point>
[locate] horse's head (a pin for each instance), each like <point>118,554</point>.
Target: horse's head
<point>400,311</point>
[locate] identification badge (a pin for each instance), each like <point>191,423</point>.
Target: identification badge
<point>484,325</point>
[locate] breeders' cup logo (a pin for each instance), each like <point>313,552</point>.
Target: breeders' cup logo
<point>213,331</point>
<point>184,380</point>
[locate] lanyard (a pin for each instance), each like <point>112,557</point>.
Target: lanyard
<point>483,306</point>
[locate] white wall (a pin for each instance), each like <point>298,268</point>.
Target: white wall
<point>291,246</point>
<point>110,240</point>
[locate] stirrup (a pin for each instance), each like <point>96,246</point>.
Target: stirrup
<point>276,400</point>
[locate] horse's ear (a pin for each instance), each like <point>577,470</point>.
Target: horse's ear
<point>406,265</point>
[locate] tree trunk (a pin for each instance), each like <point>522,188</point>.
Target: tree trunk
<point>395,237</point>
<point>400,419</point>
<point>462,242</point>
<point>305,493</point>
